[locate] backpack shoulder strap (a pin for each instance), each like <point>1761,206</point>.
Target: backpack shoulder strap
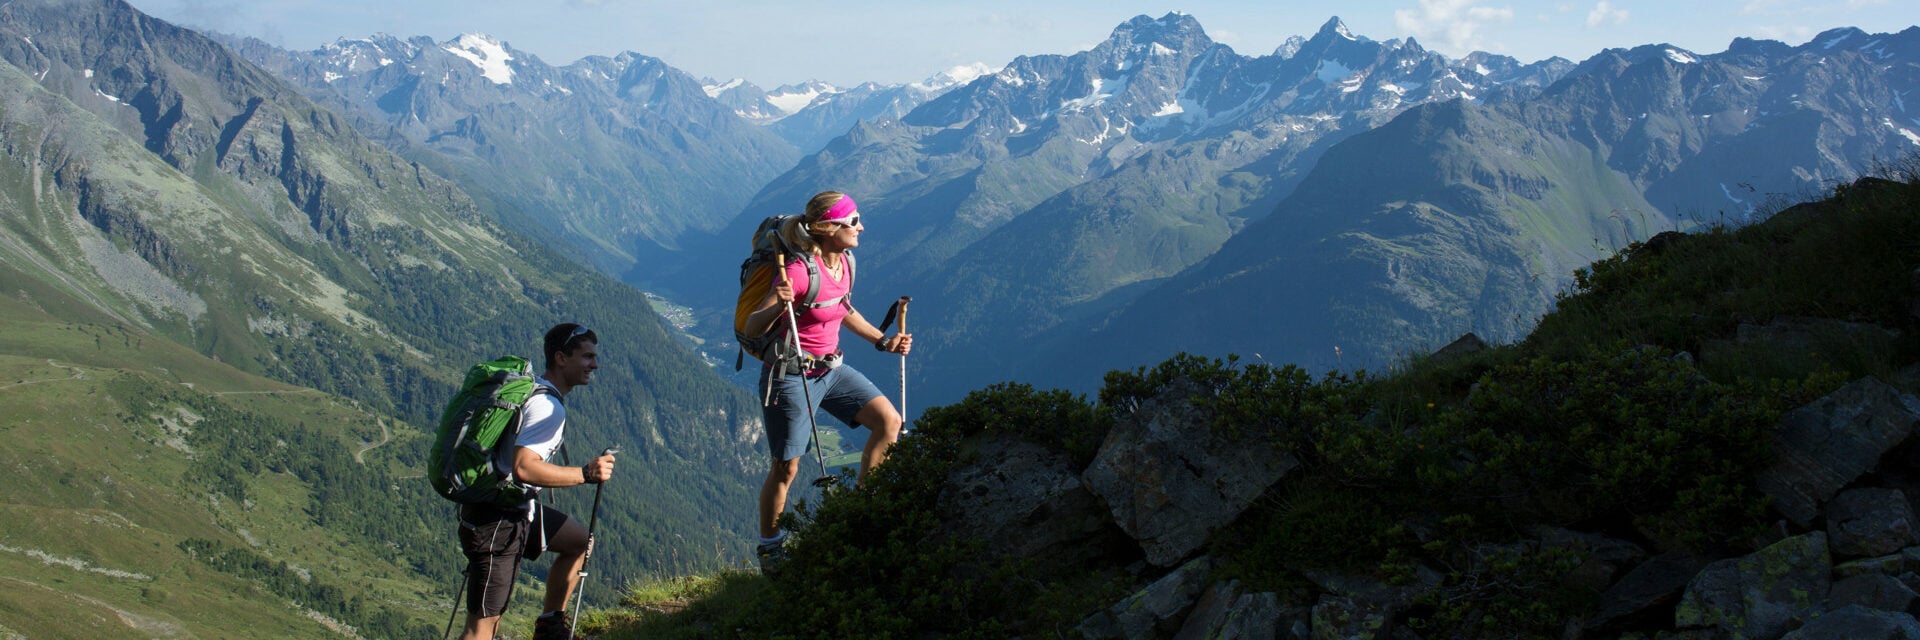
<point>813,278</point>
<point>852,270</point>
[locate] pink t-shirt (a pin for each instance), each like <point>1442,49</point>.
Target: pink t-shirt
<point>819,328</point>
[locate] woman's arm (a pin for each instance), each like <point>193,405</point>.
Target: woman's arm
<point>770,310</point>
<point>900,343</point>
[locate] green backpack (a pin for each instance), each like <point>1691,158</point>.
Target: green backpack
<point>468,464</point>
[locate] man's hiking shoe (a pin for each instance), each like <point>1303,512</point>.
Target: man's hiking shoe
<point>555,625</point>
<point>773,556</point>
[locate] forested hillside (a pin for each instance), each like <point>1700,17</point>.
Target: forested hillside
<point>156,183</point>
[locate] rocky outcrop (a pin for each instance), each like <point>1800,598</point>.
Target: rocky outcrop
<point>1170,479</point>
<point>1761,595</point>
<point>1827,445</point>
<point>1846,563</point>
<point>1153,612</point>
<point>1024,500</point>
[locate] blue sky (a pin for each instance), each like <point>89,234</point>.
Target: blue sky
<point>773,42</point>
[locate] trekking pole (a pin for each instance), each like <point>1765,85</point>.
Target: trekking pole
<point>593,522</point>
<point>464,577</point>
<point>903,361</point>
<point>806,392</point>
<point>898,310</point>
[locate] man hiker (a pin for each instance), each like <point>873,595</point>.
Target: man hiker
<point>495,539</point>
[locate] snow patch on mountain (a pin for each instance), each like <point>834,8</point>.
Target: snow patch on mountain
<point>957,76</point>
<point>791,101</point>
<point>1736,200</point>
<point>1903,131</point>
<point>714,90</point>
<point>1332,72</point>
<point>484,53</point>
<point>1681,57</point>
<point>1093,98</point>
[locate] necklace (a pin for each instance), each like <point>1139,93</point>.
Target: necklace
<point>833,266</point>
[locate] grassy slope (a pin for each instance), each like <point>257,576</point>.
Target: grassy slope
<point>100,501</point>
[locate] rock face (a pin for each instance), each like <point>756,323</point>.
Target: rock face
<point>1154,611</point>
<point>1025,501</point>
<point>1830,443</point>
<point>1846,563</point>
<point>1870,522</point>
<point>1170,480</point>
<point>1761,595</point>
<point>1859,623</point>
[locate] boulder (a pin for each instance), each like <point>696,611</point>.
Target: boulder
<point>1829,443</point>
<point>1760,595</point>
<point>1024,500</point>
<point>1170,479</point>
<point>1891,565</point>
<point>1647,592</point>
<point>1224,613</point>
<point>1858,623</point>
<point>1461,346</point>
<point>1152,612</point>
<point>1869,522</point>
<point>1873,591</point>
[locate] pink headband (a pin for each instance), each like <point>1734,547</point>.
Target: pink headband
<point>841,209</point>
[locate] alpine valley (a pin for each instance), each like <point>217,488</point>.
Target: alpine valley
<point>240,281</point>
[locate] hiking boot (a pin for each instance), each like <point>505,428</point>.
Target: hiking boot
<point>554,625</point>
<point>773,556</point>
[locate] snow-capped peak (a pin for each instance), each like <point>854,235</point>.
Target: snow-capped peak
<point>1338,28</point>
<point>484,52</point>
<point>1680,56</point>
<point>955,76</point>
<point>791,99</point>
<point>714,90</point>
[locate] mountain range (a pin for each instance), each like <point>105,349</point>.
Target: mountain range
<point>616,157</point>
<point>350,227</point>
<point>1337,202</point>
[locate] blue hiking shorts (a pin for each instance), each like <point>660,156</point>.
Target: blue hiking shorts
<point>841,391</point>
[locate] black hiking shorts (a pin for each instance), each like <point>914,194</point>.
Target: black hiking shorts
<point>495,540</point>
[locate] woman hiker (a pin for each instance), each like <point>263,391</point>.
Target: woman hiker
<point>824,235</point>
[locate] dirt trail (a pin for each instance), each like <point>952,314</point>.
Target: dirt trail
<point>385,437</point>
<point>77,375</point>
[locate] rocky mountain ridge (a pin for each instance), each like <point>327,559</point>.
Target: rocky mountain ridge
<point>618,157</point>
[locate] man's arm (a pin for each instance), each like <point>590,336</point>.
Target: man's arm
<point>529,468</point>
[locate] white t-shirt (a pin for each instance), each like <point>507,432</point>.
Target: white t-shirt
<point>543,424</point>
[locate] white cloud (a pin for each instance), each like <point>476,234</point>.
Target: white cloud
<point>1605,13</point>
<point>1451,25</point>
<point>1791,34</point>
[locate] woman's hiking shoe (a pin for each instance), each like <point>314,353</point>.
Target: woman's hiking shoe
<point>554,625</point>
<point>773,556</point>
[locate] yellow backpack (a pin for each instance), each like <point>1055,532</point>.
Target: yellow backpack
<point>757,276</point>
